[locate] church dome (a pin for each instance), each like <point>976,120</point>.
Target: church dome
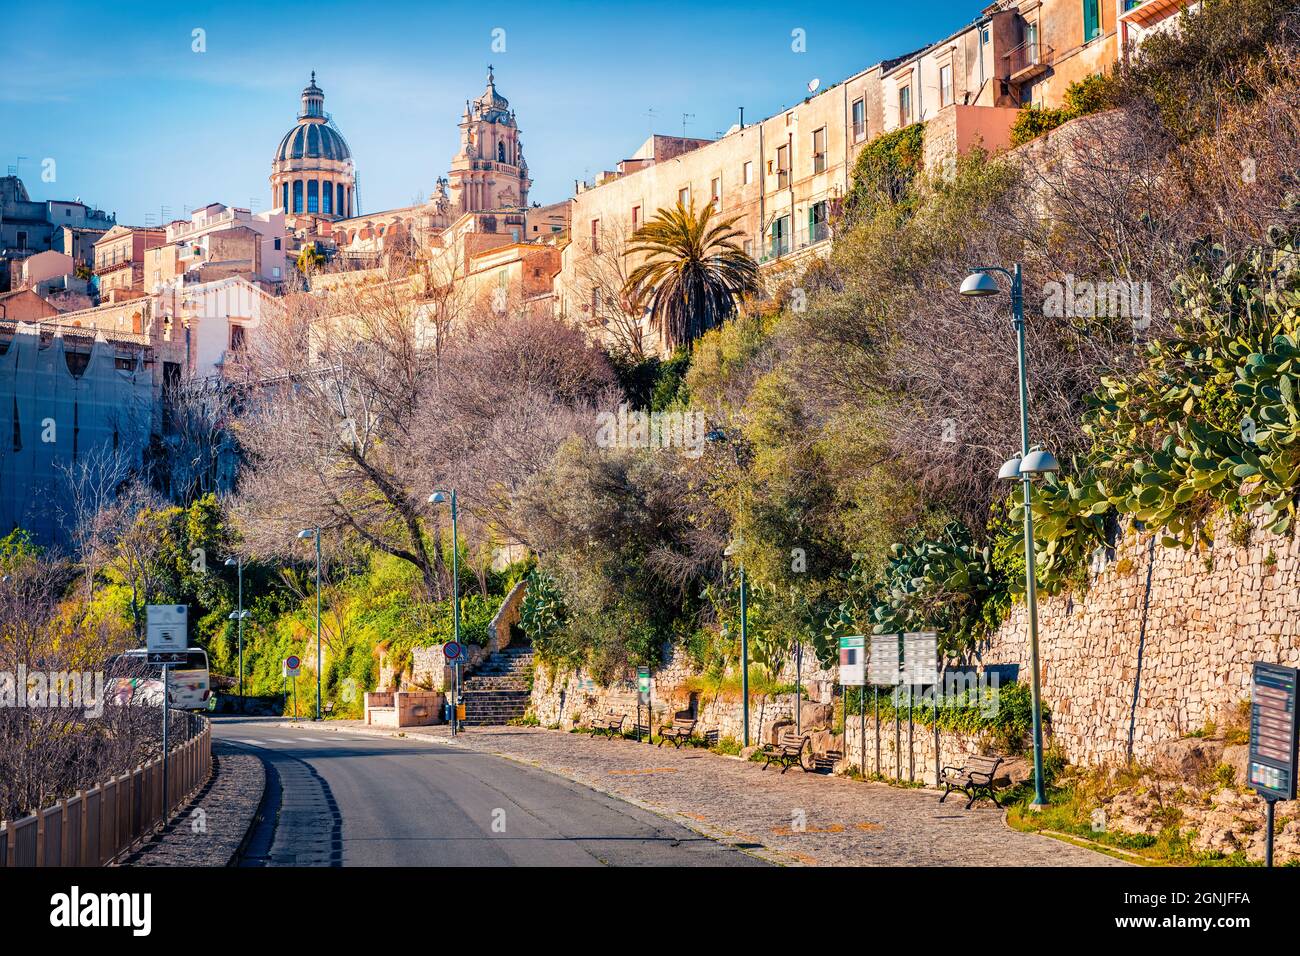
<point>312,137</point>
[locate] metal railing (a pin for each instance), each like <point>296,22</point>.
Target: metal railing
<point>97,826</point>
<point>1031,53</point>
<point>776,246</point>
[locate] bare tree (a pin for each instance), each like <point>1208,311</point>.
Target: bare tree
<point>329,428</point>
<point>600,274</point>
<point>59,733</point>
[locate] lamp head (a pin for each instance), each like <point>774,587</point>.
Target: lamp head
<point>1039,462</point>
<point>979,284</point>
<point>306,534</point>
<point>437,498</point>
<point>231,563</point>
<point>1010,470</point>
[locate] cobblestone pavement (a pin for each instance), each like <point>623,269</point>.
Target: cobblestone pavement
<point>790,818</point>
<point>211,829</point>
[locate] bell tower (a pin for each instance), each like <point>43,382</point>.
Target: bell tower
<point>489,172</point>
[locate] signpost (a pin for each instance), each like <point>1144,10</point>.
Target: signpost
<point>1272,761</point>
<point>455,653</point>
<point>166,640</point>
<point>853,673</point>
<point>920,668</point>
<point>642,698</point>
<point>292,668</point>
<point>166,633</point>
<point>884,669</point>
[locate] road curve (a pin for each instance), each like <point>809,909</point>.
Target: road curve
<point>341,800</point>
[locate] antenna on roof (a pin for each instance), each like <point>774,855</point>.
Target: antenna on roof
<point>686,118</point>
<point>650,114</point>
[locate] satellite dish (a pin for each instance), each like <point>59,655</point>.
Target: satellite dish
<point>813,84</point>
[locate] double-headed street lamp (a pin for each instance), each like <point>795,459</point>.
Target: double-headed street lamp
<point>437,498</point>
<point>1023,467</point>
<point>304,535</point>
<point>238,617</point>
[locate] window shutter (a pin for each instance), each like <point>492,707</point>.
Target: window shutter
<point>1091,20</point>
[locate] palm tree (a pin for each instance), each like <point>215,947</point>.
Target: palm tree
<point>694,273</point>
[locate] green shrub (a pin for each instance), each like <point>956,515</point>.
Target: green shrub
<point>1089,95</point>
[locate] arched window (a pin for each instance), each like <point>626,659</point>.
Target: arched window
<point>313,196</point>
<point>501,152</point>
<point>340,205</point>
<point>327,198</point>
<point>284,191</point>
<point>297,195</point>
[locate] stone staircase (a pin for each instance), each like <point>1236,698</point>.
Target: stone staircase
<point>498,690</point>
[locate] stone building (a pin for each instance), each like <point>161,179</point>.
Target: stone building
<point>783,178</point>
<point>119,258</point>
<point>488,175</point>
<point>218,242</point>
<point>28,227</point>
<point>1059,42</point>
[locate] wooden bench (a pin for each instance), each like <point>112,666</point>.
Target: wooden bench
<point>974,778</point>
<point>609,725</point>
<point>678,732</point>
<point>329,707</point>
<point>787,751</point>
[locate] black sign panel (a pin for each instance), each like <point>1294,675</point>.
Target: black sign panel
<point>168,657</point>
<point>1272,769</point>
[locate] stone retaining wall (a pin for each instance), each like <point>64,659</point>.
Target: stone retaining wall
<point>575,698</point>
<point>1204,628</point>
<point>904,755</point>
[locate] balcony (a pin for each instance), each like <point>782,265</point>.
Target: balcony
<point>783,244</point>
<point>1027,61</point>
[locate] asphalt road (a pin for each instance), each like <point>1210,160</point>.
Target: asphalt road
<point>339,800</point>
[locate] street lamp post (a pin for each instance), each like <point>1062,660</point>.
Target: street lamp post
<point>437,498</point>
<point>737,549</point>
<point>304,535</point>
<point>1022,468</point>
<point>238,617</point>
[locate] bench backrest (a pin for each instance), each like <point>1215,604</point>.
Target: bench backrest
<point>982,764</point>
<point>683,723</point>
<point>790,740</point>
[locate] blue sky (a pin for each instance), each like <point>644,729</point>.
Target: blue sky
<point>136,120</point>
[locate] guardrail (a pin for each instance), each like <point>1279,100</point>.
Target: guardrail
<point>97,826</point>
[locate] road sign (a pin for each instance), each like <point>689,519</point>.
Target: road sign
<point>454,652</point>
<point>166,633</point>
<point>292,666</point>
<point>853,660</point>
<point>1272,761</point>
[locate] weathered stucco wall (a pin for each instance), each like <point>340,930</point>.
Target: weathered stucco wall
<point>1204,628</point>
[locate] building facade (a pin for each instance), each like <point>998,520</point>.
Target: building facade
<point>119,258</point>
<point>218,242</point>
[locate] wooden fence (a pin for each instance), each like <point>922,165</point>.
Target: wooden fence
<point>97,826</point>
